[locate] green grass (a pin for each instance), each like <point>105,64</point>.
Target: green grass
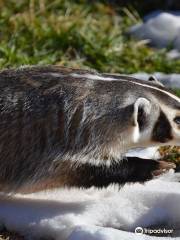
<point>75,33</point>
<point>177,91</point>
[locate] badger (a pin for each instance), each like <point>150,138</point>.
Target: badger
<point>69,127</point>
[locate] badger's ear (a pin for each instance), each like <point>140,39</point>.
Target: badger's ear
<point>142,108</point>
<point>154,79</point>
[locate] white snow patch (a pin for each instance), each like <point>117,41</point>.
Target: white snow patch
<point>107,214</point>
<point>98,233</point>
<point>151,153</point>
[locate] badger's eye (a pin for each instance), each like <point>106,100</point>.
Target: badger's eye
<point>177,120</point>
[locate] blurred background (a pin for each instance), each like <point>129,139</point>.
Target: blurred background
<point>88,34</point>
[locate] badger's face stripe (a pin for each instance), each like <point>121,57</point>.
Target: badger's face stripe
<point>121,78</point>
<point>162,129</point>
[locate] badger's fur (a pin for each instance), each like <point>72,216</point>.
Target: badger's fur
<point>67,127</point>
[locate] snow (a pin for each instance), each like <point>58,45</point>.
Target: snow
<point>107,214</point>
<point>161,29</point>
<point>151,153</point>
<point>97,233</point>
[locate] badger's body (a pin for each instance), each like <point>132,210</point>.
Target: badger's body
<point>71,127</point>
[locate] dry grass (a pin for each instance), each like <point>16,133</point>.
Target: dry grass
<point>170,153</point>
<point>75,33</point>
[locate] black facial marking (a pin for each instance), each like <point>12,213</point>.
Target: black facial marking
<point>141,118</point>
<point>162,129</point>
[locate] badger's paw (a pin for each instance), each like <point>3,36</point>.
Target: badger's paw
<point>163,167</point>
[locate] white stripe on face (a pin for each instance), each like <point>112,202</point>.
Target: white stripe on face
<point>96,77</point>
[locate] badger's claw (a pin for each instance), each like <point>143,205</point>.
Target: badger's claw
<point>164,167</point>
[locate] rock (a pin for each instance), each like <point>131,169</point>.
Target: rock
<point>161,29</point>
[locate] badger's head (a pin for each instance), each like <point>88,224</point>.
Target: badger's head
<point>156,116</point>
<point>120,113</point>
<point>130,113</point>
